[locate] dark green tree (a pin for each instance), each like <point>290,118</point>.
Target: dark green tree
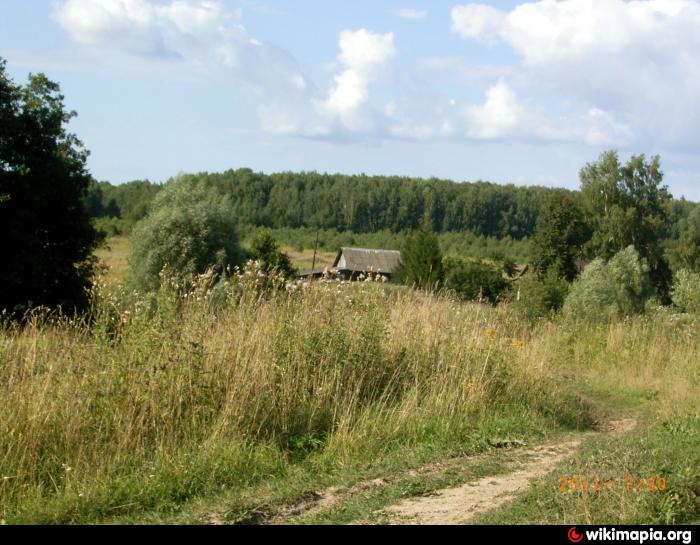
<point>421,260</point>
<point>265,249</point>
<point>561,233</point>
<point>627,206</point>
<point>46,235</point>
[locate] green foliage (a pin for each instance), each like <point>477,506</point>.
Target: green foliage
<point>558,241</point>
<point>266,250</point>
<point>47,236</point>
<point>190,229</point>
<point>539,296</point>
<point>686,291</point>
<point>421,260</point>
<point>474,280</point>
<point>605,291</point>
<point>688,251</point>
<point>628,206</point>
<point>360,204</point>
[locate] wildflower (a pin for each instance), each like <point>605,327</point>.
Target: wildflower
<point>490,332</point>
<point>519,344</point>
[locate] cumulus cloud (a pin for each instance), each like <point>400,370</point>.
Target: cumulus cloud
<point>478,21</point>
<point>204,35</point>
<point>411,13</point>
<point>363,56</point>
<point>638,61</point>
<point>497,116</point>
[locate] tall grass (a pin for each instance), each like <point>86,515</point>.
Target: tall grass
<point>154,399</point>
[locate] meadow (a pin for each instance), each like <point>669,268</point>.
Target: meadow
<point>229,403</point>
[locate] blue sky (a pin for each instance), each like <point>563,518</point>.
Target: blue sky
<point>511,92</point>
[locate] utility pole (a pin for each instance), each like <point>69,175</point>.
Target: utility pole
<point>313,264</point>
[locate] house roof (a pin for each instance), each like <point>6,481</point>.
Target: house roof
<point>367,260</point>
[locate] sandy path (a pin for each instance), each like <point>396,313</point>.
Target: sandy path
<point>458,505</point>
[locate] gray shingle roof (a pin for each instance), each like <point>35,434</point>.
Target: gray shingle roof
<point>367,260</point>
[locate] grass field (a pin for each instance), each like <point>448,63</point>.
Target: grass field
<point>230,405</point>
<point>113,257</point>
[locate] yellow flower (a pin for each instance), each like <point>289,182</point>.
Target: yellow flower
<point>519,344</point>
<point>490,332</point>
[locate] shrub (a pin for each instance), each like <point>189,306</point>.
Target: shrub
<point>265,249</point>
<point>537,297</point>
<point>686,291</point>
<point>189,230</point>
<point>474,280</point>
<point>610,290</point>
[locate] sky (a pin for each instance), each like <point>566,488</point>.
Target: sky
<point>510,92</point>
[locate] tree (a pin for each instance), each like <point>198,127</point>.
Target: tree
<point>421,260</point>
<point>561,233</point>
<point>266,250</point>
<point>618,288</point>
<point>191,229</point>
<point>627,206</point>
<point>47,237</point>
<point>688,250</point>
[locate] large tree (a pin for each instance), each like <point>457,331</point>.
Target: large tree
<point>47,240</point>
<point>627,206</point>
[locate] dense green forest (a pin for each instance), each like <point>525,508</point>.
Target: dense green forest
<point>360,204</point>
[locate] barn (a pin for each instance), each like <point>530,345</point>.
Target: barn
<point>351,263</point>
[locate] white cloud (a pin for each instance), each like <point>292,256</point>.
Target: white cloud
<point>143,27</point>
<point>477,21</point>
<point>411,13</point>
<point>497,116</point>
<point>602,61</point>
<point>363,56</point>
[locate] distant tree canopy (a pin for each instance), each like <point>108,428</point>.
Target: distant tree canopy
<point>628,206</point>
<point>361,204</point>
<point>189,230</point>
<point>47,238</point>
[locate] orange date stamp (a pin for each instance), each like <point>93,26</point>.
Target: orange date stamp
<point>596,485</point>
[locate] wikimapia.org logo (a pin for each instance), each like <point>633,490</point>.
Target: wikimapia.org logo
<point>637,536</point>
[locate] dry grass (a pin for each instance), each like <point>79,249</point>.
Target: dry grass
<point>138,406</point>
<point>114,260</point>
<point>161,398</point>
<point>304,260</point>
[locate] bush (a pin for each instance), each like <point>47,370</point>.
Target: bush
<point>265,249</point>
<point>610,290</point>
<point>191,229</point>
<point>474,280</point>
<point>537,297</point>
<point>686,291</point>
